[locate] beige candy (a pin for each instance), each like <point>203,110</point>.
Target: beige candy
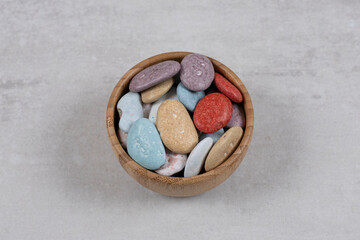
<point>177,130</point>
<point>223,148</point>
<point>154,93</point>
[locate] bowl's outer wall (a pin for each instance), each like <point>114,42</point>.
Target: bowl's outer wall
<point>178,186</point>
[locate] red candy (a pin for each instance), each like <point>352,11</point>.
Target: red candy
<point>212,113</point>
<point>228,89</point>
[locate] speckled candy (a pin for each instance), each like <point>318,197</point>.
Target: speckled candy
<point>154,93</point>
<point>130,110</point>
<point>188,98</point>
<point>144,145</point>
<point>212,113</point>
<point>197,72</point>
<point>154,75</point>
<point>223,148</point>
<point>197,157</point>
<point>228,89</point>
<point>238,116</point>
<point>174,163</point>
<point>176,129</point>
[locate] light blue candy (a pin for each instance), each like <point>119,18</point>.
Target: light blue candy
<point>188,98</point>
<point>131,110</point>
<point>144,144</point>
<point>215,136</point>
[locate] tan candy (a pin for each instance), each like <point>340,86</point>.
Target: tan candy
<point>177,131</point>
<point>154,93</point>
<point>223,148</point>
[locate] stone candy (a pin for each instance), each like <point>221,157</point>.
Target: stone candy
<point>176,129</point>
<point>154,108</point>
<point>188,98</point>
<point>144,145</point>
<point>130,110</point>
<point>197,72</point>
<point>223,148</point>
<point>214,136</point>
<point>238,116</point>
<point>154,93</point>
<point>212,113</point>
<point>154,75</point>
<point>197,157</point>
<point>174,163</point>
<point>227,88</point>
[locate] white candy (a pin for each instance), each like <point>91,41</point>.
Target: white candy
<point>174,163</point>
<point>197,157</point>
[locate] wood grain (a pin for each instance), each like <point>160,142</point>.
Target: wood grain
<point>178,186</point>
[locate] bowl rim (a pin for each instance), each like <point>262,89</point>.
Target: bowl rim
<point>120,89</point>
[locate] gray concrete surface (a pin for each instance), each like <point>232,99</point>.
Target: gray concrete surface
<point>59,61</point>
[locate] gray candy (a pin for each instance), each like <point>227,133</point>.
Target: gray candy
<point>154,75</point>
<point>197,72</point>
<point>237,117</point>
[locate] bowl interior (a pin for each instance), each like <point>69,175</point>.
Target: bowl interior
<point>132,167</point>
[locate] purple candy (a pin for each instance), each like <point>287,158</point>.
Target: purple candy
<point>238,116</point>
<point>197,72</point>
<point>154,75</point>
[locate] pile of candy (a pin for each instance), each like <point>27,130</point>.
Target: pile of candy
<point>160,124</point>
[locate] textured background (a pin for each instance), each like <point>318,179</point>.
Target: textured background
<point>59,62</point>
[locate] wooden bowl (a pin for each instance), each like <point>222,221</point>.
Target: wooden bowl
<point>177,186</point>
